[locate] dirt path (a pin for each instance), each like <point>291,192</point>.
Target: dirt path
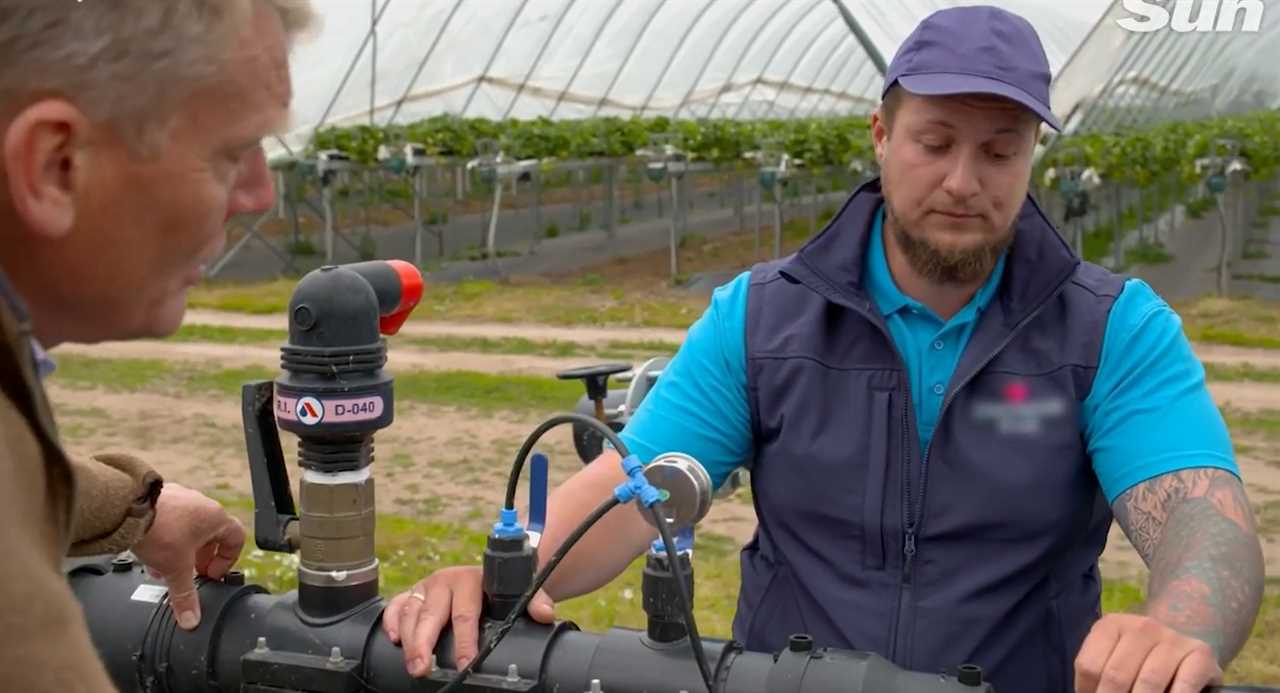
<point>1229,355</point>
<point>423,328</point>
<point>1246,395</point>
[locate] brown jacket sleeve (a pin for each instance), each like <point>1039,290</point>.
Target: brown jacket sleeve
<point>114,503</point>
<point>44,641</point>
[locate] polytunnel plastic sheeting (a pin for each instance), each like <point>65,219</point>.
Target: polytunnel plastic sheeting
<point>568,59</point>
<point>1122,79</point>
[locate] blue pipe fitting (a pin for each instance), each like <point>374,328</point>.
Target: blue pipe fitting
<point>637,486</point>
<point>508,525</point>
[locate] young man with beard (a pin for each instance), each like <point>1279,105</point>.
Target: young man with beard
<point>130,131</point>
<point>942,408</point>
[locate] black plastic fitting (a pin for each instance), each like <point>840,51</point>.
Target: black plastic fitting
<point>509,567</point>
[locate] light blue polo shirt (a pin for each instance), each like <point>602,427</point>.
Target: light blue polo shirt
<point>1149,412</point>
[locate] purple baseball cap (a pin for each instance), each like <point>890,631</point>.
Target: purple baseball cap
<point>975,50</point>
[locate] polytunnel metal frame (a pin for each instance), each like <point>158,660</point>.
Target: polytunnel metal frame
<point>1156,77</point>
<point>862,46</point>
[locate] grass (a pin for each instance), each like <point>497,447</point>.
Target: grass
<point>411,549</point>
<point>1242,372</point>
<point>258,298</point>
<point>1264,423</point>
<point>217,334</point>
<point>1243,322</point>
<point>642,304</point>
<point>482,392</point>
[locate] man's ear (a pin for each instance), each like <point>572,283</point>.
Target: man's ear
<point>879,134</point>
<point>43,161</point>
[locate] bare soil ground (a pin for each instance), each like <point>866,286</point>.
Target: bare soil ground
<point>448,464</point>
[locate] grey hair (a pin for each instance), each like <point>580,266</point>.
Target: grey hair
<point>128,63</point>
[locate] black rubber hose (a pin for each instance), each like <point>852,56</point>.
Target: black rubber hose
<point>517,467</point>
<point>686,601</point>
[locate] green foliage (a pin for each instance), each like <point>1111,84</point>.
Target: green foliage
<point>1147,253</point>
<point>1139,156</point>
<point>1200,206</point>
<point>818,141</point>
<point>303,247</point>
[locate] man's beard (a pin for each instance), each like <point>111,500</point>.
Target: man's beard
<point>946,266</point>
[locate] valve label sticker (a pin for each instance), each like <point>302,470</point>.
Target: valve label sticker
<point>311,410</point>
<point>149,593</point>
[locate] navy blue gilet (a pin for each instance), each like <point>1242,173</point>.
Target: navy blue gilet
<point>983,549</point>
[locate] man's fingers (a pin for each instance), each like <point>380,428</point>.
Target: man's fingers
<point>1198,670</point>
<point>1158,670</point>
<point>1121,669</point>
<point>183,598</point>
<point>1094,654</point>
<point>468,600</point>
<point>431,620</point>
<point>391,616</point>
<point>230,541</point>
<point>541,608</point>
<point>408,618</point>
<point>204,556</point>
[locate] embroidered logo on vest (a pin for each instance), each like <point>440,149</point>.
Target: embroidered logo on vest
<point>1015,412</point>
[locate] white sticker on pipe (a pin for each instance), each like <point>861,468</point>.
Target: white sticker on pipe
<point>149,593</point>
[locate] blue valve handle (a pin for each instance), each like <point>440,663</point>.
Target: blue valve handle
<point>539,465</point>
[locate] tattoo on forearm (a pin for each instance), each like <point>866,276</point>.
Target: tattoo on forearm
<point>1196,532</point>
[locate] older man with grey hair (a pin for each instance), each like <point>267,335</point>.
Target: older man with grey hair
<point>131,131</point>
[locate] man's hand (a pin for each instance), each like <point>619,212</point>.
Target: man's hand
<point>415,618</point>
<point>1128,652</point>
<point>191,534</point>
